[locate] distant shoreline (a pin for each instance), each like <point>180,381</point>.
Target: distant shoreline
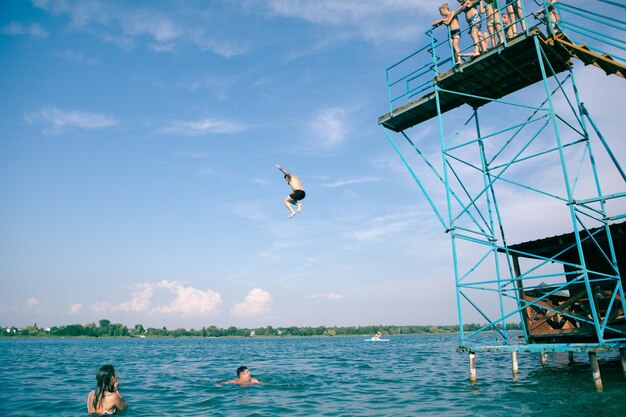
<point>107,329</point>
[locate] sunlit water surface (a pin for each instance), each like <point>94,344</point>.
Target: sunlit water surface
<point>309,376</point>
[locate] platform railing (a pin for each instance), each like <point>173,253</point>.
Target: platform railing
<point>413,76</point>
<point>599,32</point>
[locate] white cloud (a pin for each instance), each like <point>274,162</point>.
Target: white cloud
<point>217,84</point>
<point>201,127</point>
<point>333,12</point>
<point>126,24</point>
<point>330,127</point>
<point>81,13</point>
<point>223,47</point>
<point>259,181</point>
<point>101,307</point>
<point>188,301</point>
<point>57,119</point>
<point>159,27</point>
<point>32,303</point>
<point>367,19</point>
<point>326,296</point>
<point>15,29</point>
<point>77,57</point>
<point>381,232</point>
<point>141,297</point>
<point>75,308</point>
<point>256,303</point>
<point>342,183</point>
<point>272,257</point>
<point>385,226</point>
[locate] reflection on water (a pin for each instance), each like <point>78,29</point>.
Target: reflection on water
<point>321,376</point>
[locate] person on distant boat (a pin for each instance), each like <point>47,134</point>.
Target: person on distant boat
<point>243,377</point>
<point>377,336</point>
<point>106,398</point>
<point>297,194</point>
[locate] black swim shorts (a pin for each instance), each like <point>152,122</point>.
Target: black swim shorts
<point>297,195</point>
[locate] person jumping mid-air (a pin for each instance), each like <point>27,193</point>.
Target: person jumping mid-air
<point>297,194</point>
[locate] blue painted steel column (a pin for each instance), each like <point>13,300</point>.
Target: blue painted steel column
<point>570,198</point>
<point>488,184</point>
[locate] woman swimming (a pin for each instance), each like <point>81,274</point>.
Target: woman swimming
<point>106,398</point>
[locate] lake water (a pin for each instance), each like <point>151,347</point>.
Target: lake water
<point>311,376</point>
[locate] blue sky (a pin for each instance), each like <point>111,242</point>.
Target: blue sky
<point>137,150</point>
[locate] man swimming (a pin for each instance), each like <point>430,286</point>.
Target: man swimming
<point>243,377</point>
<point>297,192</point>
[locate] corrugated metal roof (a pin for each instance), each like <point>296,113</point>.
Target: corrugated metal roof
<point>550,246</point>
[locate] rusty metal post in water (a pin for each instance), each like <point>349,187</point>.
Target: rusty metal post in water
<point>622,354</point>
<point>595,370</point>
<point>514,360</point>
<point>472,361</point>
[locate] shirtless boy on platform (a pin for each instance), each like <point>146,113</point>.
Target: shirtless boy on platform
<point>450,19</point>
<point>297,194</point>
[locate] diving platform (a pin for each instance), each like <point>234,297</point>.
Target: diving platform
<point>525,167</point>
<point>486,77</point>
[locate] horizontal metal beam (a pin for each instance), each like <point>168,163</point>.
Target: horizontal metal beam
<point>545,347</point>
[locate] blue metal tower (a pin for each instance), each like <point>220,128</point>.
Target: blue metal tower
<point>527,159</point>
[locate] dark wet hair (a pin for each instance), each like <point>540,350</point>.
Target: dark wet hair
<point>240,370</point>
<point>104,382</point>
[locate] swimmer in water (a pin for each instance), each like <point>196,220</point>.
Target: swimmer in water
<point>243,377</point>
<point>106,398</point>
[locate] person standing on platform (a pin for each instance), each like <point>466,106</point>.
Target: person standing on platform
<point>494,27</point>
<point>297,194</point>
<point>554,17</point>
<point>514,12</point>
<point>473,21</point>
<point>450,19</point>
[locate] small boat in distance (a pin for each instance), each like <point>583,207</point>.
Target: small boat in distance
<point>377,338</point>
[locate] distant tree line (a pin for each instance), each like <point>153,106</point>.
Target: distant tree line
<point>105,328</point>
